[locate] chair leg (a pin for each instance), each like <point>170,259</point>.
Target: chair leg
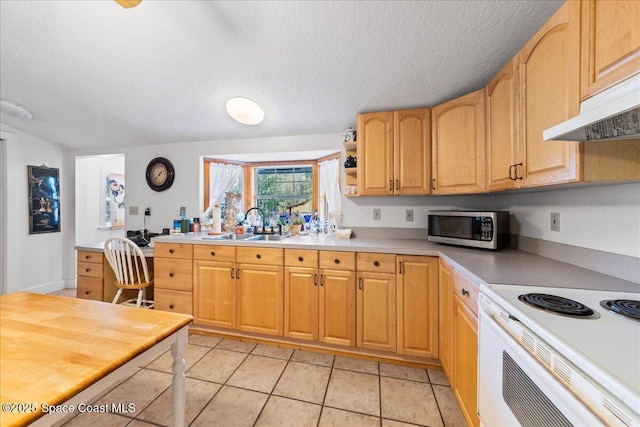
<point>117,297</point>
<point>139,303</point>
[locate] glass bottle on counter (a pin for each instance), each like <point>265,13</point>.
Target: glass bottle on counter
<point>195,227</point>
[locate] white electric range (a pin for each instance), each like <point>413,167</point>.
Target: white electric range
<point>537,367</point>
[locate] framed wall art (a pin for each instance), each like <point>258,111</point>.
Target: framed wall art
<point>115,200</point>
<point>44,199</point>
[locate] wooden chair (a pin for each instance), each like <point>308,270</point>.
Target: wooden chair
<point>130,267</point>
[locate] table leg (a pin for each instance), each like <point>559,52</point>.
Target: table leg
<point>178,386</point>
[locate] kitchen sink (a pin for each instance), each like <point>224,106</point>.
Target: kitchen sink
<point>271,237</point>
<point>231,236</point>
<point>250,237</point>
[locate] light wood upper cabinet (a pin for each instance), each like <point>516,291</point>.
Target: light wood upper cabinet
<point>417,287</point>
<point>610,45</point>
<point>375,153</point>
<point>502,129</point>
<point>458,145</point>
<point>548,92</point>
<point>394,153</point>
<point>412,152</point>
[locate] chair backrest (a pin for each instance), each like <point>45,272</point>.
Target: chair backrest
<point>127,260</point>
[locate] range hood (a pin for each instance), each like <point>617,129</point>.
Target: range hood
<point>610,115</point>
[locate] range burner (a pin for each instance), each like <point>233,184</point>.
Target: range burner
<point>624,307</point>
<point>559,305</point>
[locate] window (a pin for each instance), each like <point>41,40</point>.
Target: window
<point>284,189</point>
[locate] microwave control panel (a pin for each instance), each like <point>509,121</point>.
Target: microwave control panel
<point>486,228</point>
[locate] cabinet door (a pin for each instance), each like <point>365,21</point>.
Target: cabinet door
<point>458,145</point>
<point>465,370</point>
<point>502,121</point>
<point>445,296</point>
<point>260,298</point>
<point>418,306</point>
<point>375,154</point>
<point>610,45</point>
<point>412,151</point>
<point>301,303</point>
<point>549,84</point>
<point>338,307</point>
<point>376,311</point>
<point>214,293</point>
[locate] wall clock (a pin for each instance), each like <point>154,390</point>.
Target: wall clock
<point>160,174</point>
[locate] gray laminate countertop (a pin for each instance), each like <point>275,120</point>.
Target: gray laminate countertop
<point>508,266</point>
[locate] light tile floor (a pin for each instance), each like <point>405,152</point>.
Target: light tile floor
<point>237,383</point>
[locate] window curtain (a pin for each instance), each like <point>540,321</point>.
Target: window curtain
<point>330,186</point>
<point>222,178</point>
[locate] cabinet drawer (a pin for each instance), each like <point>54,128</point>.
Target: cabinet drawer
<point>90,288</point>
<point>175,301</point>
<point>338,260</point>
<point>173,250</point>
<point>214,253</point>
<point>253,255</point>
<point>382,263</point>
<point>89,269</point>
<point>466,290</point>
<point>89,256</point>
<point>176,274</point>
<point>301,258</point>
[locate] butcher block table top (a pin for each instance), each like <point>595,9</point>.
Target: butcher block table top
<point>53,347</point>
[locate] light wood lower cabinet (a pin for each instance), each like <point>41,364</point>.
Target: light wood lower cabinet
<point>173,277</point>
<point>459,338</point>
<point>301,294</point>
<point>260,293</point>
<point>214,293</point>
<point>376,302</point>
<point>465,370</point>
<point>337,309</point>
<point>417,300</point>
<point>445,319</point>
<point>95,280</point>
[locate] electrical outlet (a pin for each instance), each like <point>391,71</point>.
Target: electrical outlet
<point>133,210</point>
<point>147,211</point>
<point>408,215</point>
<point>183,211</point>
<point>555,221</point>
<point>376,214</point>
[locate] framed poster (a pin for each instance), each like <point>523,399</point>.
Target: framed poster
<point>115,200</point>
<point>44,199</point>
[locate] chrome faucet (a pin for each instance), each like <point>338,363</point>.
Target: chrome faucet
<point>264,218</point>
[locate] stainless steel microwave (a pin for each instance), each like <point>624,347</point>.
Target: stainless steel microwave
<point>486,230</point>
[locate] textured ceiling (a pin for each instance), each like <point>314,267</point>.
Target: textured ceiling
<point>96,75</point>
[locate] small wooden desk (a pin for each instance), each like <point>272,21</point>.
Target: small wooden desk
<point>63,351</point>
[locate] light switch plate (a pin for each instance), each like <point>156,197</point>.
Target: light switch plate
<point>376,214</point>
<point>133,210</point>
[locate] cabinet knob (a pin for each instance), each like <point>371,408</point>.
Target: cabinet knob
<point>300,259</point>
<point>87,270</point>
<point>376,263</point>
<point>337,261</point>
<point>87,292</point>
<point>258,256</point>
<point>171,274</point>
<point>170,251</point>
<point>170,306</point>
<point>465,292</point>
<point>87,257</point>
<point>213,253</point>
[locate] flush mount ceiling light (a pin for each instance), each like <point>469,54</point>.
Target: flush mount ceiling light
<point>128,3</point>
<point>14,109</point>
<point>245,111</point>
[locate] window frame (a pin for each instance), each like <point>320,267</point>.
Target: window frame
<point>249,174</point>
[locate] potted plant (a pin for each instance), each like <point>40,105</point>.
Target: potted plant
<point>296,224</point>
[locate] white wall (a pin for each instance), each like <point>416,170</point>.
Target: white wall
<point>582,210</point>
<point>90,194</point>
<point>38,262</point>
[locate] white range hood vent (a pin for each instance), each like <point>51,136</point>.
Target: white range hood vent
<point>610,115</point>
